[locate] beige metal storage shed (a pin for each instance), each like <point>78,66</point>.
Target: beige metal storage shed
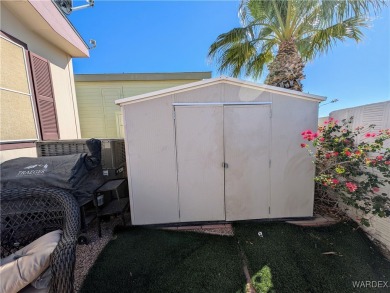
<point>218,149</point>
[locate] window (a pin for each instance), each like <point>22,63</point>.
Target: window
<point>27,105</point>
<point>17,117</point>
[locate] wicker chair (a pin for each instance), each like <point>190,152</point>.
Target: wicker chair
<point>29,213</point>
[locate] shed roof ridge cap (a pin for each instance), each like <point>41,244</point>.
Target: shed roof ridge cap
<point>217,80</point>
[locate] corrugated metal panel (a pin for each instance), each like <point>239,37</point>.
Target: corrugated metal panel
<point>152,162</point>
<point>45,97</point>
<point>199,141</point>
<point>141,87</point>
<point>378,114</point>
<point>247,183</point>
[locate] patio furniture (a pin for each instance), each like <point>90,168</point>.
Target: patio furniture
<point>28,213</point>
<point>78,173</point>
<point>112,199</point>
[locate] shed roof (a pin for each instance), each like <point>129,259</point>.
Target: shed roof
<point>214,81</point>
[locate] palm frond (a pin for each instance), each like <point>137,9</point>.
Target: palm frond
<point>234,59</point>
<point>255,65</point>
<point>342,9</point>
<point>313,27</point>
<point>320,41</point>
<point>224,41</point>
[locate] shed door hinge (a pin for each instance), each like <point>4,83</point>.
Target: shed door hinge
<point>269,210</point>
<point>174,114</point>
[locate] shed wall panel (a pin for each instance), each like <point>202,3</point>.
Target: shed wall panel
<point>292,172</point>
<point>150,147</point>
<point>247,141</point>
<point>199,141</point>
<point>213,93</point>
<point>152,155</point>
<point>232,93</point>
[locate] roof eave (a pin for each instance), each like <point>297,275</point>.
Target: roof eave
<point>208,82</point>
<point>45,19</point>
<point>142,76</point>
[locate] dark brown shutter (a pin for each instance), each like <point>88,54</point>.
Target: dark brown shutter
<point>44,95</point>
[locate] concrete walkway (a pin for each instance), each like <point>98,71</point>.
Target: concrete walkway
<point>317,221</point>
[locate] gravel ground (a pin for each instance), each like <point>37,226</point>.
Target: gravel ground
<point>87,254</point>
<point>224,231</point>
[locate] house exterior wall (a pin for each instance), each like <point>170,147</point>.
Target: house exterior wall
<point>12,154</point>
<point>151,152</point>
<point>99,116</point>
<point>378,114</point>
<point>61,72</point>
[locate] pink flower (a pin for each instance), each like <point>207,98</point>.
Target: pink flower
<point>335,181</point>
<point>387,162</point>
<point>348,153</point>
<point>351,186</point>
<point>335,154</point>
<point>303,145</point>
<point>375,189</point>
<point>370,134</point>
<point>328,155</point>
<point>326,122</point>
<point>322,139</point>
<point>379,158</point>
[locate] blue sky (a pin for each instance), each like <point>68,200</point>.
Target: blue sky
<point>174,36</point>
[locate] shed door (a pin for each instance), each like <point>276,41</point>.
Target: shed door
<point>199,144</point>
<point>247,176</point>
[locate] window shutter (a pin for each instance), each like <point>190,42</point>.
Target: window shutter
<point>44,95</point>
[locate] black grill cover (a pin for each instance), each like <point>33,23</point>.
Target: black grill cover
<point>75,173</point>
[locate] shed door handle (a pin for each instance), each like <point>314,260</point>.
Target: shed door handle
<point>225,165</point>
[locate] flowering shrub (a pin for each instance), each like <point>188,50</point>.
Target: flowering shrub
<point>350,171</point>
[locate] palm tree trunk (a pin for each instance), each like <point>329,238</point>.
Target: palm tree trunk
<point>286,70</point>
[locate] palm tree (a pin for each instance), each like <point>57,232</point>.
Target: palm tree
<point>285,34</point>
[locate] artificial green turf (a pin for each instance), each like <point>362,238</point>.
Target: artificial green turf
<point>148,260</point>
<point>294,255</point>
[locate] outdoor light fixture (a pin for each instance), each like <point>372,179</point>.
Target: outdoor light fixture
<point>93,44</point>
<point>66,6</point>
